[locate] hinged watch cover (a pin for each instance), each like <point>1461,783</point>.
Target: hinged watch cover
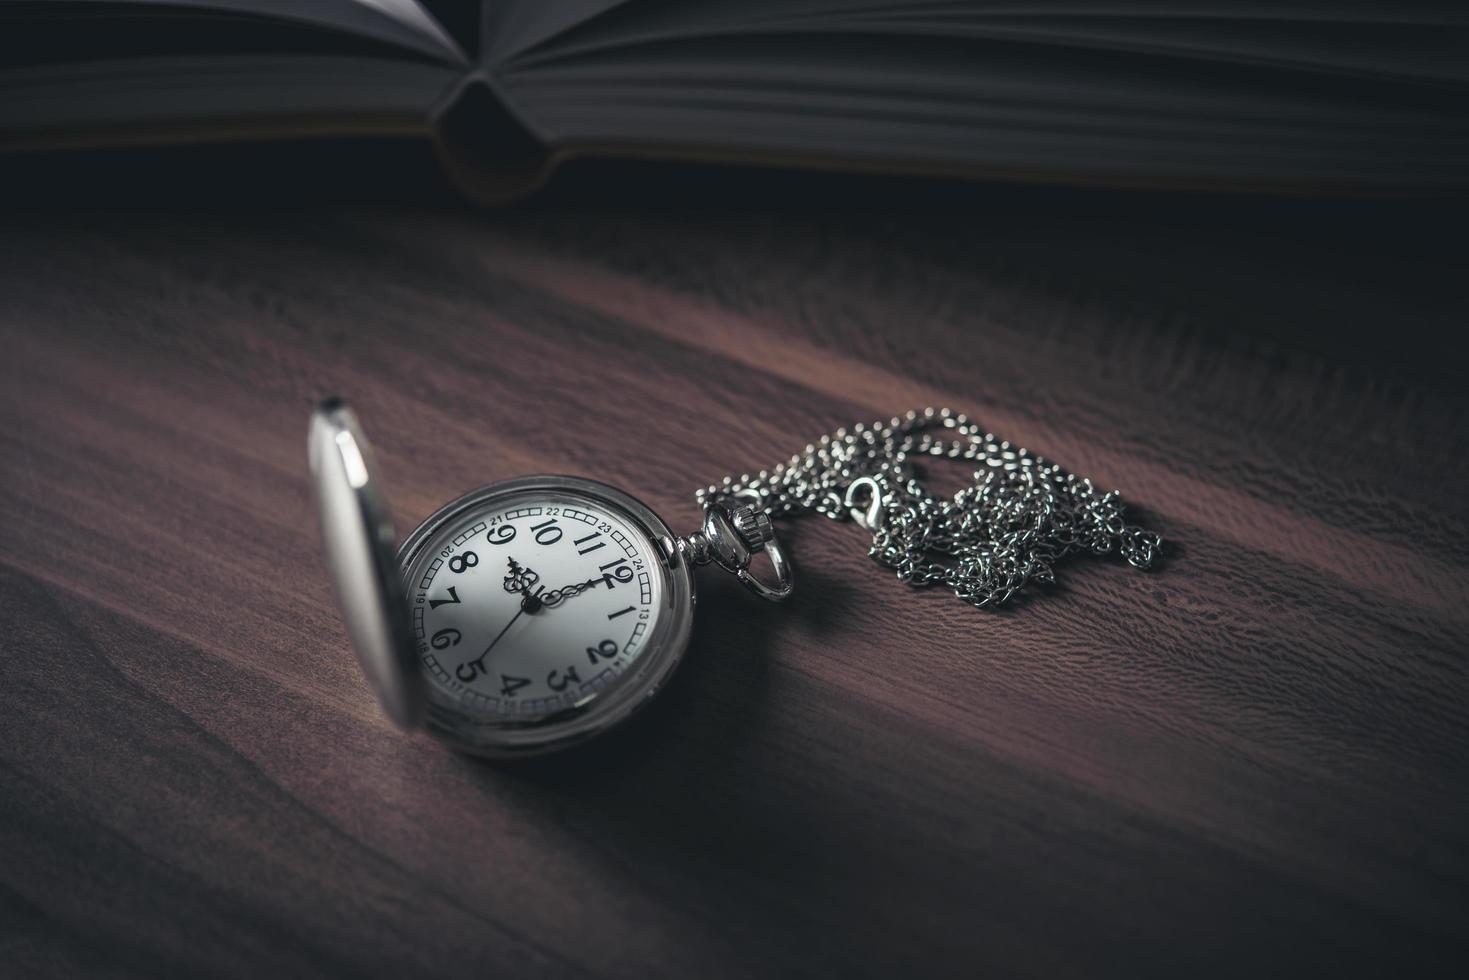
<point>361,559</point>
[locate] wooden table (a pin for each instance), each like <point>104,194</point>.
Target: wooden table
<point>1250,761</point>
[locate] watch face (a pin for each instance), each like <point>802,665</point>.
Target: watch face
<point>542,609</point>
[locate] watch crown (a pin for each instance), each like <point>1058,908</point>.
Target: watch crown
<point>752,525</point>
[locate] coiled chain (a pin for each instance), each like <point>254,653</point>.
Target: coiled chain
<point>1021,515</point>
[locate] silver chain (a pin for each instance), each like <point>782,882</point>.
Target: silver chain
<point>1021,515</point>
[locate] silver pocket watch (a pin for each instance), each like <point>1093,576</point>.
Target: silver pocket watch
<point>525,616</point>
<point>533,614</point>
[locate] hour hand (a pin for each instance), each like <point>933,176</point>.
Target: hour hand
<point>520,579</point>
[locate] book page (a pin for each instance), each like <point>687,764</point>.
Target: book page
<point>401,22</point>
<point>1122,91</point>
<point>411,15</point>
<point>514,26</point>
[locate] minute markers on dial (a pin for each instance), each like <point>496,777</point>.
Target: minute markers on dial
<point>534,663</point>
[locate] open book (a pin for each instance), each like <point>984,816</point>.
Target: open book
<point>1352,95</point>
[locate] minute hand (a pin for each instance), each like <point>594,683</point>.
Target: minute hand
<point>557,596</point>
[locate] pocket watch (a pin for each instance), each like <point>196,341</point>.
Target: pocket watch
<point>525,616</point>
<point>538,612</point>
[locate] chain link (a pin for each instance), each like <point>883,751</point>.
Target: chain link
<point>1021,515</point>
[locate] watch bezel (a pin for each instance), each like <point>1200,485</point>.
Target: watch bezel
<point>647,675</point>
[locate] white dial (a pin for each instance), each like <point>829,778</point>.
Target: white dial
<point>533,604</point>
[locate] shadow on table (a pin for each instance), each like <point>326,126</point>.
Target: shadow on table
<point>1370,281</point>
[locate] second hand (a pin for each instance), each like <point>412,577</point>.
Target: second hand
<point>479,661</point>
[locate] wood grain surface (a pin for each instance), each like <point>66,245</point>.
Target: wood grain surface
<point>1251,761</point>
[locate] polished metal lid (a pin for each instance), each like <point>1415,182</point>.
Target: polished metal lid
<point>360,557</point>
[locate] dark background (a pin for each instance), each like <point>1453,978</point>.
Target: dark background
<point>1249,761</point>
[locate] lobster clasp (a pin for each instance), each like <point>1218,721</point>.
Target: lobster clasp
<point>869,516</point>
